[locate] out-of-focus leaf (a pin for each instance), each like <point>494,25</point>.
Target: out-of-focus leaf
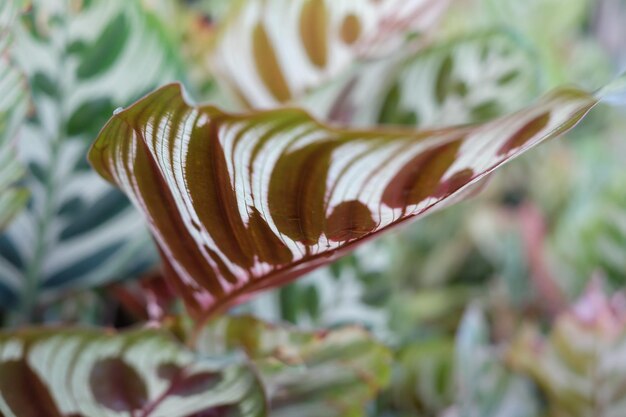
<point>242,203</point>
<point>554,26</point>
<point>423,382</point>
<point>269,52</point>
<point>13,106</point>
<point>467,80</point>
<point>306,374</point>
<point>74,372</point>
<point>592,232</point>
<point>485,388</point>
<point>83,60</point>
<point>580,364</point>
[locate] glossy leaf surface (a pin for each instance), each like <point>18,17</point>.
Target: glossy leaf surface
<point>139,373</point>
<point>82,61</point>
<point>268,52</point>
<point>241,203</point>
<point>306,374</point>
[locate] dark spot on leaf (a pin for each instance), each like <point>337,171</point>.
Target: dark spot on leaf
<point>38,172</point>
<point>71,208</point>
<point>184,385</point>
<point>485,111</point>
<point>420,177</point>
<point>9,252</point>
<point>508,77</point>
<point>392,112</point>
<point>444,79</point>
<point>24,392</point>
<point>100,56</point>
<point>117,386</point>
<point>526,133</point>
<point>90,117</point>
<point>107,207</point>
<point>42,84</point>
<point>349,220</point>
<point>454,183</point>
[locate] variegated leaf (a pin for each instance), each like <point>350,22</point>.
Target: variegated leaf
<point>74,372</point>
<point>579,365</point>
<point>242,203</point>
<point>466,80</point>
<point>269,52</point>
<point>13,107</point>
<point>83,60</point>
<point>306,374</point>
<point>485,387</point>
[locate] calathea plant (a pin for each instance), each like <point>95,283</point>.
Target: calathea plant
<point>300,158</point>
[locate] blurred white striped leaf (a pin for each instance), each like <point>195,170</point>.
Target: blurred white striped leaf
<point>466,80</point>
<point>485,387</point>
<point>268,52</point>
<point>74,372</point>
<point>13,107</point>
<point>83,60</point>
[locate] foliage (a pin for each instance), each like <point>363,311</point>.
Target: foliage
<point>330,123</point>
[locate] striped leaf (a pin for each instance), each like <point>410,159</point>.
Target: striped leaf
<point>269,52</point>
<point>465,80</point>
<point>579,365</point>
<point>13,106</point>
<point>83,61</point>
<point>305,374</point>
<point>242,203</point>
<point>485,388</point>
<point>74,372</point>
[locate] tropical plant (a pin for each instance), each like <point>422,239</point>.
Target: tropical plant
<point>148,262</point>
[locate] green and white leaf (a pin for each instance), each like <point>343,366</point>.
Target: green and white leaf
<point>83,61</point>
<point>465,80</point>
<point>306,374</point>
<point>13,108</point>
<point>74,372</point>
<point>579,364</point>
<point>485,388</point>
<point>269,52</point>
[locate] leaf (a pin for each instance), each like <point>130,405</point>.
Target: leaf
<point>76,372</point>
<point>591,234</point>
<point>83,61</point>
<point>13,107</point>
<point>269,52</point>
<point>579,365</point>
<point>242,203</point>
<point>485,387</point>
<point>464,80</point>
<point>305,374</point>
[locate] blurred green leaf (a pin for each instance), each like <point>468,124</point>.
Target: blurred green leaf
<point>485,387</point>
<point>469,79</point>
<point>331,373</point>
<point>83,60</point>
<point>13,107</point>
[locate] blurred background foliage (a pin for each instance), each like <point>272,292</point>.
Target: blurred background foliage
<point>477,303</point>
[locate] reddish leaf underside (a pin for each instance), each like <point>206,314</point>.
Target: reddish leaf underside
<point>241,203</point>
